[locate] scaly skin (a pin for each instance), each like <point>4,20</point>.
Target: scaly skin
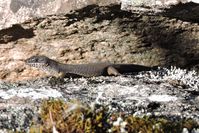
<point>82,70</point>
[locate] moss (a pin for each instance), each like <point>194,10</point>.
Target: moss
<point>76,117</point>
<point>158,125</point>
<point>71,117</point>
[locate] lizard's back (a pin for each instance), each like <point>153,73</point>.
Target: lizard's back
<point>101,69</point>
<point>86,70</point>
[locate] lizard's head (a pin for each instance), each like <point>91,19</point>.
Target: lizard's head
<point>38,61</point>
<point>42,62</point>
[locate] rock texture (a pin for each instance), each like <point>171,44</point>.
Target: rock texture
<point>106,33</point>
<point>169,93</point>
<point>16,11</point>
<point>95,33</point>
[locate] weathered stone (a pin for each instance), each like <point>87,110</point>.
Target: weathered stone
<point>113,35</point>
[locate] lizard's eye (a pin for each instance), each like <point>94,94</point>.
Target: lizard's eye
<point>42,60</point>
<point>31,60</point>
<point>34,60</point>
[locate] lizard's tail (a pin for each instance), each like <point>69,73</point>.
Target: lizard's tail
<point>130,68</point>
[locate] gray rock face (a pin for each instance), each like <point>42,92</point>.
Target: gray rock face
<point>17,11</point>
<point>153,3</point>
<point>172,93</point>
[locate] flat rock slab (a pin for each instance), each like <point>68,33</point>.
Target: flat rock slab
<point>172,93</point>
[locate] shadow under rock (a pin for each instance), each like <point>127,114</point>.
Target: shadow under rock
<point>14,33</point>
<point>100,13</point>
<point>174,41</point>
<point>154,30</point>
<point>186,12</point>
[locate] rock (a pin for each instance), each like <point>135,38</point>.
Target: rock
<point>195,131</point>
<point>185,130</point>
<point>114,35</point>
<point>141,94</point>
<point>17,11</point>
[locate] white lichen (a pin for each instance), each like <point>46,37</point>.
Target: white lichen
<point>189,78</point>
<point>120,123</point>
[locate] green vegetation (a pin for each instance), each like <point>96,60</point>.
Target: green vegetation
<point>76,117</point>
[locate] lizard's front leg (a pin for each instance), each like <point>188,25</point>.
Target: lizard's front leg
<point>60,75</point>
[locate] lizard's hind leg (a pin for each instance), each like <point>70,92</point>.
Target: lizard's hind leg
<point>112,71</point>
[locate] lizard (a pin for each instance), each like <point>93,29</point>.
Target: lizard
<point>61,70</point>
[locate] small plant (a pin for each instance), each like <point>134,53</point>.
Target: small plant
<point>74,117</point>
